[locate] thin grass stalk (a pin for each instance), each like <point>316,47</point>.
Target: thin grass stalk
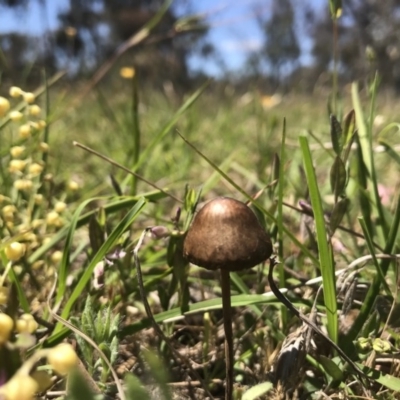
<point>281,183</point>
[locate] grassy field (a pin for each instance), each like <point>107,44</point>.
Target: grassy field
<point>72,222</point>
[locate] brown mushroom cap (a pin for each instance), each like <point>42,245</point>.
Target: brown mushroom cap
<point>226,234</point>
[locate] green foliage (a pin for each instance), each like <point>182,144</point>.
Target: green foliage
<point>102,327</point>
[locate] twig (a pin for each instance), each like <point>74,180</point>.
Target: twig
<point>112,162</point>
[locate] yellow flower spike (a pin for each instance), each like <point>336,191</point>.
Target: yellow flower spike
<point>15,91</point>
<point>34,110</point>
<point>4,106</point>
<point>14,251</point>
<point>17,151</point>
<point>20,387</point>
<point>62,358</point>
<point>28,97</point>
<point>24,131</point>
<point>15,116</point>
<point>127,72</point>
<point>16,166</point>
<point>6,327</point>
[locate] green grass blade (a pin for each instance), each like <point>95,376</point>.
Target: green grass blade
<point>390,150</point>
<point>107,245</point>
<point>64,267</point>
<point>324,248</point>
<point>258,390</point>
<point>242,300</point>
<point>365,141</point>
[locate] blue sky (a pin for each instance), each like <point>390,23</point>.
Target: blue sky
<point>234,31</point>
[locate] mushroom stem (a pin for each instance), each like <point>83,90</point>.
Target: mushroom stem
<point>227,316</point>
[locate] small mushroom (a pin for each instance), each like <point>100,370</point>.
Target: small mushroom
<point>226,235</point>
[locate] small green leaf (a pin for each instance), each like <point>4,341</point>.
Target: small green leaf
<point>349,126</point>
<point>331,368</point>
<point>159,373</point>
<point>256,391</point>
<point>134,389</point>
<point>96,234</point>
<point>338,212</point>
<point>338,177</point>
<point>336,135</point>
<point>78,388</point>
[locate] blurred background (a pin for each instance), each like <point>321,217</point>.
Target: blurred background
<point>281,45</point>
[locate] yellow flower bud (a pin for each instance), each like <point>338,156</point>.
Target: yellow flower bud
<point>36,223</point>
<point>72,185</point>
<point>127,72</point>
<point>14,251</point>
<point>23,184</point>
<point>35,169</point>
<point>62,358</point>
<point>38,199</point>
<point>29,97</point>
<point>60,206</point>
<point>4,106</point>
<point>8,212</point>
<point>15,116</point>
<point>26,324</point>
<point>16,166</point>
<point>6,327</point>
<point>24,131</point>
<point>43,147</point>
<point>42,124</point>
<point>34,110</point>
<point>56,257</point>
<point>53,219</point>
<point>3,295</point>
<point>20,387</point>
<point>17,151</point>
<point>43,380</point>
<point>15,91</point>
<point>34,125</point>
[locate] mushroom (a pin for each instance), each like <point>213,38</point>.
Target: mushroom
<point>226,235</point>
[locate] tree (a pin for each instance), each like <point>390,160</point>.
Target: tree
<point>367,41</point>
<point>281,47</point>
